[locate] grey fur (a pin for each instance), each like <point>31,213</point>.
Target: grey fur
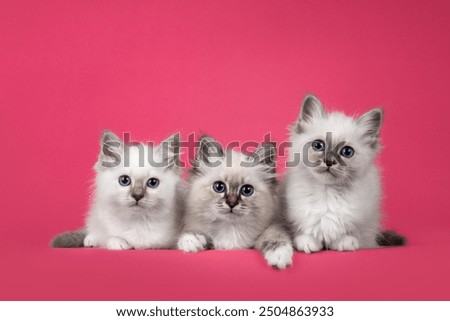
<point>180,199</point>
<point>207,148</point>
<point>372,121</point>
<point>110,144</point>
<point>266,154</point>
<point>275,236</point>
<point>255,223</point>
<point>390,238</point>
<point>278,234</point>
<point>171,152</point>
<point>69,239</point>
<point>310,107</point>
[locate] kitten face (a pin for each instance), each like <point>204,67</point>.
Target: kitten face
<point>335,148</point>
<point>230,186</point>
<point>137,186</point>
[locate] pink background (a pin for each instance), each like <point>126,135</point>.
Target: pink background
<point>236,70</point>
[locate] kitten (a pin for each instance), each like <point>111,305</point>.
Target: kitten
<point>333,194</point>
<point>232,203</point>
<point>136,205</point>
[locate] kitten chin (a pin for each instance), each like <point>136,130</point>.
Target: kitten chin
<point>333,193</point>
<point>233,206</point>
<point>135,203</point>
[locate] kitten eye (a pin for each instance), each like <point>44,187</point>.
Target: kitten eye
<point>153,182</point>
<point>219,187</point>
<point>347,151</point>
<point>124,180</point>
<point>247,190</point>
<point>318,145</point>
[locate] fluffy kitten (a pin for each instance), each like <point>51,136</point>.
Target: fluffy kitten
<point>333,193</point>
<point>136,203</point>
<point>232,203</point>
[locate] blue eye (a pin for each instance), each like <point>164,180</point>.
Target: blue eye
<point>124,180</point>
<point>153,182</point>
<point>219,187</point>
<point>347,151</point>
<point>247,190</point>
<point>318,145</point>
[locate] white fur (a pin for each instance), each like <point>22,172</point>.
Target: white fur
<point>342,213</point>
<point>114,223</point>
<point>307,243</point>
<point>190,242</point>
<point>280,257</point>
<point>322,213</point>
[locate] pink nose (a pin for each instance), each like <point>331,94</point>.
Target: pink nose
<point>232,200</point>
<point>137,197</point>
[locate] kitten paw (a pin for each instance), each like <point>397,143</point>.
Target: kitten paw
<point>346,243</point>
<point>116,243</point>
<point>190,242</point>
<point>279,257</point>
<point>307,243</point>
<point>91,241</point>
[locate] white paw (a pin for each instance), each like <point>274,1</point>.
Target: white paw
<point>116,243</point>
<point>91,241</point>
<point>190,242</point>
<point>280,257</point>
<point>346,243</point>
<point>307,243</point>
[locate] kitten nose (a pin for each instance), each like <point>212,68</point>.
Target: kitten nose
<point>330,162</point>
<point>232,200</point>
<point>137,197</point>
<point>137,192</point>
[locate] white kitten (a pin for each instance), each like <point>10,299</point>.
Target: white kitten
<point>232,203</point>
<point>333,192</point>
<point>137,197</point>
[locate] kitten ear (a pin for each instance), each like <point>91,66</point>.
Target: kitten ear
<point>170,151</point>
<point>208,148</point>
<point>311,108</point>
<point>111,149</point>
<point>265,155</point>
<point>371,123</point>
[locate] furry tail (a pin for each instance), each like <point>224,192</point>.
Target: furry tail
<point>69,239</point>
<point>390,238</point>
